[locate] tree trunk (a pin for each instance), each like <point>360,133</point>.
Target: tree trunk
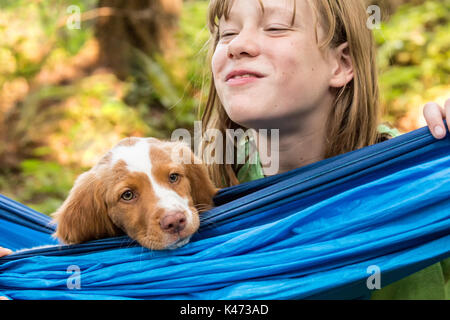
<point>147,25</point>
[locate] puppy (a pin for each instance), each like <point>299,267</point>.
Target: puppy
<point>138,189</point>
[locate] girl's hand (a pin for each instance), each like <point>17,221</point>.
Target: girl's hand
<point>434,115</point>
<point>4,252</point>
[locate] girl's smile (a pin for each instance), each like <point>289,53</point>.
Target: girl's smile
<point>242,77</point>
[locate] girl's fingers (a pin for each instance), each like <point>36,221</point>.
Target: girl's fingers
<point>447,112</point>
<point>434,116</point>
<point>4,252</point>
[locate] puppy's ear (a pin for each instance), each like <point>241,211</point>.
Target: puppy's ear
<point>83,215</point>
<point>202,187</point>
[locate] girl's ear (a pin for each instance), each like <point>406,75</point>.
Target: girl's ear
<point>342,66</point>
<point>83,216</point>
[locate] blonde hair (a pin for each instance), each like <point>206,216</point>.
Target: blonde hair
<point>352,124</point>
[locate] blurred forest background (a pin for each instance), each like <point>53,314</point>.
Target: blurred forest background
<point>69,92</point>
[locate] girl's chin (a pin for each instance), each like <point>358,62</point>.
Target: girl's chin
<point>249,106</point>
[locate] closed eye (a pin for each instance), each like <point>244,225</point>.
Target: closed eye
<point>227,34</point>
<point>277,29</point>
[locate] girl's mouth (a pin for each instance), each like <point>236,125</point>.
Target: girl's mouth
<point>241,77</point>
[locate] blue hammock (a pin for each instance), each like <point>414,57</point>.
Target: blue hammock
<point>311,233</point>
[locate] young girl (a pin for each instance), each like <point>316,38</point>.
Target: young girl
<point>308,69</point>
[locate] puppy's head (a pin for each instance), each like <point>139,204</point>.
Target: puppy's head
<point>138,188</point>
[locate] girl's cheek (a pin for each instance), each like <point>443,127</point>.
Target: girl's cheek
<point>218,60</point>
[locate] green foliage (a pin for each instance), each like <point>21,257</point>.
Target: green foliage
<point>63,128</point>
<point>169,89</point>
<point>28,47</point>
<point>414,56</point>
<point>45,184</point>
<point>193,37</point>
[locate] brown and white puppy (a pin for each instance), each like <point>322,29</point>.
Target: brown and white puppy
<point>138,189</point>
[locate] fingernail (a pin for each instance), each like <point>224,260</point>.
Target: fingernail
<point>439,131</point>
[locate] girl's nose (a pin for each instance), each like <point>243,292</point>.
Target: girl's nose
<point>243,44</point>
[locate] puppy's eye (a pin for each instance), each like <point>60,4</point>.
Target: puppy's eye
<point>128,195</point>
<point>174,177</point>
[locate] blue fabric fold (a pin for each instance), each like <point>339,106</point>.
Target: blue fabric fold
<point>309,233</point>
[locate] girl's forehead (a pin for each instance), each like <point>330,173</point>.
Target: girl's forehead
<point>267,8</point>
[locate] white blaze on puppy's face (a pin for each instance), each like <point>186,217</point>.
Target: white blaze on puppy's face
<point>137,158</point>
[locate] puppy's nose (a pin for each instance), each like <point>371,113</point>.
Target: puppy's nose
<point>173,222</point>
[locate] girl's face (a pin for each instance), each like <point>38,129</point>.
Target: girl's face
<point>267,71</point>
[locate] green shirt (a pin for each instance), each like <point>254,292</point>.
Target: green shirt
<point>431,283</point>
